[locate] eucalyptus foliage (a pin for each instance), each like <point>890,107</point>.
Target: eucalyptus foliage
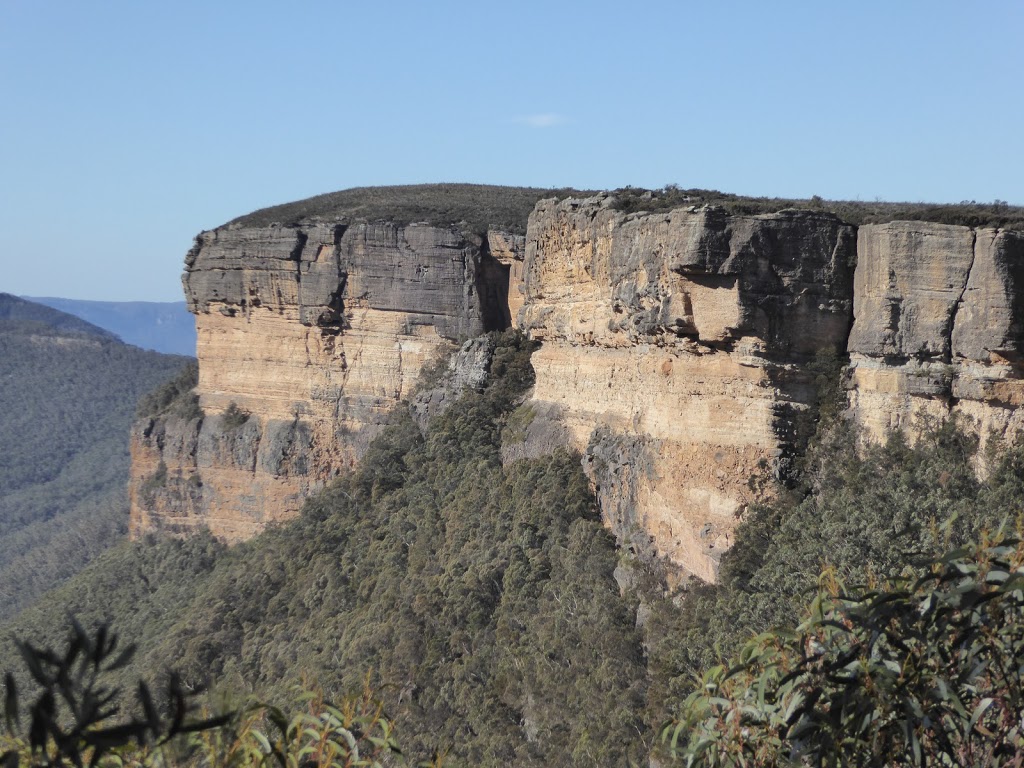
<point>924,670</point>
<point>74,716</point>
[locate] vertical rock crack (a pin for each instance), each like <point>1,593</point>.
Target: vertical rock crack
<point>960,299</point>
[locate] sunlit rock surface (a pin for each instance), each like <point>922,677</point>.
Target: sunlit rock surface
<point>679,353</point>
<point>674,349</point>
<point>311,335</point>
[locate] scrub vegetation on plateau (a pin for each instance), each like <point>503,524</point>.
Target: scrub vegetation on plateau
<point>967,213</point>
<point>480,207</point>
<point>475,207</point>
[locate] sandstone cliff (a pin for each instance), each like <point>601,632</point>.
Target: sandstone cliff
<point>939,328</point>
<point>674,351</point>
<point>678,351</point>
<point>307,336</point>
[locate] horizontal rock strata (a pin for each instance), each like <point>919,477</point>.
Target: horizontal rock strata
<point>308,336</point>
<point>673,349</point>
<point>939,328</point>
<point>679,352</point>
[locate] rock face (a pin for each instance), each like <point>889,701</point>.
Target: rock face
<point>674,350</point>
<point>307,337</point>
<point>939,328</point>
<point>467,369</point>
<point>679,353</point>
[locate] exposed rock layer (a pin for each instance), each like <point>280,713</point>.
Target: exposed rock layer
<point>674,350</point>
<point>939,328</point>
<point>308,335</point>
<point>679,352</point>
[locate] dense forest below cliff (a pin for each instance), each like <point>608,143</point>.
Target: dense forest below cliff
<point>489,603</point>
<point>481,597</point>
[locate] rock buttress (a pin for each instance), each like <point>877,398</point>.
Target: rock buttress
<point>938,330</point>
<point>673,352</point>
<point>307,336</point>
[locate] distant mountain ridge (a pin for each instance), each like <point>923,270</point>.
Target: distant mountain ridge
<point>21,313</point>
<point>165,327</point>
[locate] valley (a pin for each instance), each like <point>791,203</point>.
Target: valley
<point>534,470</point>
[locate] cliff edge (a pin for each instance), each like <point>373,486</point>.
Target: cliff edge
<point>308,333</point>
<point>939,328</point>
<point>679,347</point>
<point>674,350</point>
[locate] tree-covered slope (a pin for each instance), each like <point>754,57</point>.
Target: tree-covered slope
<point>68,392</point>
<point>485,599</point>
<point>481,597</point>
<point>30,316</point>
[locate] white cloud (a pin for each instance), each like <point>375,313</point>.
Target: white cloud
<point>542,120</point>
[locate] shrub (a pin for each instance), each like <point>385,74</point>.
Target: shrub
<point>924,670</point>
<point>233,416</point>
<point>154,483</point>
<point>518,423</point>
<point>175,396</point>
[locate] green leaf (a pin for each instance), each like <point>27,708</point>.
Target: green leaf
<point>980,710</point>
<point>795,704</point>
<point>263,741</point>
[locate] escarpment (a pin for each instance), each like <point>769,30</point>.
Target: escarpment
<point>680,351</point>
<point>307,336</point>
<point>939,328</point>
<point>675,350</point>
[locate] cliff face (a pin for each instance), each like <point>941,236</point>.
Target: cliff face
<point>679,353</point>
<point>307,337</point>
<point>674,351</point>
<point>939,328</point>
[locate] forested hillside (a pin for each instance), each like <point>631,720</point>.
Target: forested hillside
<point>481,597</point>
<point>865,516</point>
<point>485,601</point>
<point>68,392</point>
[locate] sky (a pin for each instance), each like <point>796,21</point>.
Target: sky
<point>128,127</point>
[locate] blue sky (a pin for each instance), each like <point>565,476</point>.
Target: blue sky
<point>128,127</point>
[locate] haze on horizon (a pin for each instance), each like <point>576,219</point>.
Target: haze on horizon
<point>130,127</point>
